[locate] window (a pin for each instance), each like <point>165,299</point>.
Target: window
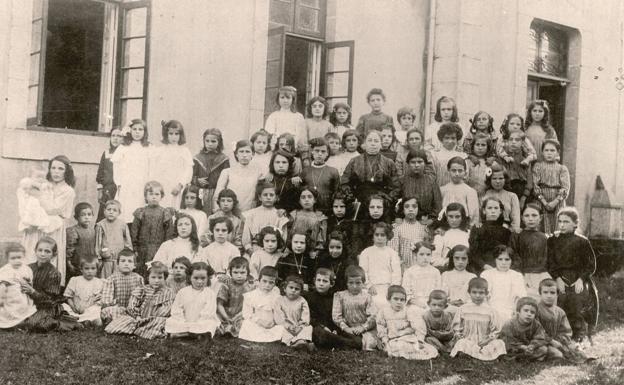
<point>338,72</point>
<point>302,17</point>
<point>548,50</point>
<point>88,63</point>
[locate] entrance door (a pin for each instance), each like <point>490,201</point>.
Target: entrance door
<point>554,93</point>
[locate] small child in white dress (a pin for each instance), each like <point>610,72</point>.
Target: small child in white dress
<point>420,279</point>
<point>15,305</point>
<point>259,310</point>
<point>84,294</point>
<point>194,310</point>
<point>293,313</point>
<point>455,280</point>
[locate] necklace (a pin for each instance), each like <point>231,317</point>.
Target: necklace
<point>283,185</point>
<point>370,167</point>
<point>298,265</point>
<point>316,181</point>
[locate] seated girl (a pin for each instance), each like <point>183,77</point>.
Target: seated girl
<point>15,305</point>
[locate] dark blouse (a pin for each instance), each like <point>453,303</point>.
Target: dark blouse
<point>570,256</point>
<point>287,193</point>
<point>321,309</point>
<point>427,193</point>
<point>47,285</point>
<point>299,265</point>
<point>338,266</point>
<point>209,164</point>
<point>531,250</point>
<point>482,242</point>
<point>366,175</point>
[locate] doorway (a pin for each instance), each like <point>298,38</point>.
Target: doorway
<point>302,68</point>
<point>554,93</point>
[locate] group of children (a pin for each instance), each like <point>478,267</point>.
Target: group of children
<point>366,237</point>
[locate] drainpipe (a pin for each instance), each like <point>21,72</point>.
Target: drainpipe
<point>430,49</point>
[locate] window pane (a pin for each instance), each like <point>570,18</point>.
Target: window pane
<point>308,19</point>
<point>337,84</point>
<point>311,3</point>
<point>134,53</point>
<point>281,11</point>
<point>36,36</point>
<point>131,109</point>
<point>553,53</point>
<point>533,61</point>
<point>34,68</point>
<point>338,59</point>
<point>132,83</point>
<point>136,21</point>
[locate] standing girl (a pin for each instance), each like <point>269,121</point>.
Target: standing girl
<point>286,119</point>
<point>340,118</point>
<point>454,228</point>
<point>286,142</point>
<point>408,232</point>
<point>194,310</point>
<point>481,123</point>
<point>131,167</point>
<point>316,124</point>
<point>80,239</point>
<point>538,127</point>
<point>282,170</point>
<point>551,183</point>
<point>241,178</point>
<point>414,141</point>
<point>184,244</point>
<point>455,279</point>
<point>340,217</point>
<point>319,176</point>
<point>172,163</point>
<point>191,205</point>
<point>57,199</point>
<point>308,220</point>
<point>207,167</point>
<point>264,215</point>
<point>388,143</point>
<point>478,163</point>
<point>518,164</point>
<point>271,245</point>
<point>484,239</point>
<point>457,191</point>
<point>261,151</point>
<point>496,182</point>
<point>228,207</point>
<point>418,183</point>
<point>111,236</point>
<point>446,112</point>
<point>230,297</point>
<point>350,142</point>
<point>106,187</point>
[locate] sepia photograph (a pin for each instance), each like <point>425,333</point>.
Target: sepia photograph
<point>317,192</point>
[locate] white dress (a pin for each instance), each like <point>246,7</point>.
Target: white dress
<point>259,306</point>
<point>131,166</point>
<point>261,161</point>
<point>16,306</point>
<point>284,121</point>
<point>171,164</point>
<point>82,292</point>
<point>455,284</point>
<point>172,249</point>
<point>419,282</point>
<point>444,243</point>
<point>504,288</point>
<point>382,267</point>
<point>242,180</point>
<point>201,220</point>
<point>193,311</point>
<point>218,255</point>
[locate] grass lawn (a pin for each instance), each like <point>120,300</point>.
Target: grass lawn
<point>92,357</point>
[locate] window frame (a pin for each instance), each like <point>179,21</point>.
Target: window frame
<point>293,28</point>
<point>324,72</point>
<point>541,26</point>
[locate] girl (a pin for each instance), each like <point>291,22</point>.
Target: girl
<point>194,310</point>
<point>228,207</point>
<point>230,297</point>
<point>530,245</point>
<point>371,173</point>
<point>271,245</point>
<point>241,178</point>
<point>15,305</point>
<point>495,181</point>
<point>420,279</point>
<point>297,260</point>
<point>457,191</point>
<point>571,263</point>
<point>518,150</point>
<point>281,170</point>
<point>45,291</point>
<point>340,217</point>
<point>376,119</point>
<point>414,142</point>
<point>478,164</point>
<point>506,286</point>
<point>131,167</point>
<point>264,215</point>
<point>319,176</point>
<point>380,263</point>
<point>481,123</point>
<point>80,239</point>
<point>286,142</point>
<point>449,134</point>
<point>56,197</point>
<point>388,143</point>
<point>106,187</point>
<point>454,231</point>
<point>152,225</point>
<point>406,117</point>
<point>518,164</point>
<point>259,310</point>
<point>191,205</point>
<point>111,236</point>
<point>439,322</point>
<point>476,326</point>
<point>308,220</point>
<point>455,279</point>
<point>350,143</point>
<point>119,286</point>
<point>551,183</point>
<point>180,274</point>
<point>524,336</point>
<point>401,331</point>
<point>408,232</point>
<point>538,127</point>
<point>484,239</point>
<point>293,314</point>
<point>207,167</point>
<point>148,308</point>
<point>83,295</point>
<point>261,151</point>
<point>172,163</point>
<point>340,118</point>
<point>359,231</point>
<point>446,112</point>
<point>316,124</point>
<point>184,244</point>
<point>219,253</point>
<point>353,311</point>
<point>336,259</point>
<point>286,119</point>
<point>417,182</point>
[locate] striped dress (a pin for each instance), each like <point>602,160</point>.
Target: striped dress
<point>473,323</point>
<point>391,329</point>
<point>351,310</point>
<point>552,180</point>
<point>147,313</point>
<point>116,294</point>
<point>405,235</point>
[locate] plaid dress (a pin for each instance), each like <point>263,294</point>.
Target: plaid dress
<point>405,235</point>
<point>116,294</point>
<point>147,313</point>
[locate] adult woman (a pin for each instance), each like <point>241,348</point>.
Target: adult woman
<point>106,187</point>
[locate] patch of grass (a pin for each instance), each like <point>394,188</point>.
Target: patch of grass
<point>90,356</point>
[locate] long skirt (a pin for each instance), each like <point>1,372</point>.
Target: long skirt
<point>409,347</point>
<point>176,326</point>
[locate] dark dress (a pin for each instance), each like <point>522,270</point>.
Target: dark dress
<point>80,246</point>
<point>48,298</point>
<point>426,190</point>
<point>150,228</point>
<point>287,193</point>
<point>482,242</point>
<point>321,318</point>
<point>300,265</point>
<point>208,164</point>
<point>104,179</point>
<point>338,266</point>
